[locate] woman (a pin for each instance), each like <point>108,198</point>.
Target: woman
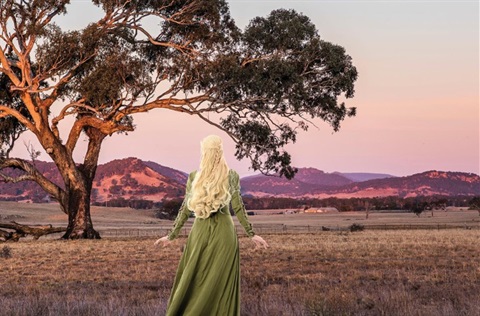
<point>208,276</point>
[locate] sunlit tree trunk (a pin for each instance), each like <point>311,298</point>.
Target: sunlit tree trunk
<point>78,210</point>
<point>78,182</point>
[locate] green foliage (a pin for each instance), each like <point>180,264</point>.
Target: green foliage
<point>10,127</point>
<point>287,71</point>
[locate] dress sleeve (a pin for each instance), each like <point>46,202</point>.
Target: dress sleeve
<point>183,212</point>
<point>237,204</point>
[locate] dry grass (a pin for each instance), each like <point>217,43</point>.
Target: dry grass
<point>342,219</point>
<point>331,273</point>
<point>109,219</point>
<point>103,217</point>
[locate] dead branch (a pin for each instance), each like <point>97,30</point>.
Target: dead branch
<point>31,173</point>
<point>20,230</point>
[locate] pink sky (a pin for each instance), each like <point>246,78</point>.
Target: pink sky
<point>417,95</point>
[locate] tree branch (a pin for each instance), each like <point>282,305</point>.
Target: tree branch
<point>6,69</point>
<point>93,151</point>
<point>36,231</point>
<point>63,113</point>
<point>31,174</point>
<point>106,127</point>
<point>164,103</point>
<point>183,48</point>
<point>6,111</point>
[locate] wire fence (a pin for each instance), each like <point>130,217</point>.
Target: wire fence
<point>275,229</point>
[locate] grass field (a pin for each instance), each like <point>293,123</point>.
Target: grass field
<point>109,219</point>
<point>331,273</point>
<point>374,272</point>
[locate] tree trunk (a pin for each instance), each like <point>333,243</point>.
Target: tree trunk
<point>79,220</point>
<point>79,190</point>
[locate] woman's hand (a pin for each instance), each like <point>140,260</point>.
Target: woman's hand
<point>259,242</point>
<point>164,241</point>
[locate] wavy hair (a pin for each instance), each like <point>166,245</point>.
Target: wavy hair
<point>210,187</point>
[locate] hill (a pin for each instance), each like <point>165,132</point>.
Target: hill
<point>363,176</point>
<point>128,178</point>
<point>306,181</point>
<point>134,179</point>
<point>423,184</point>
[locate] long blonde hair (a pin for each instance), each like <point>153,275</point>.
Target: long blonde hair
<point>210,187</point>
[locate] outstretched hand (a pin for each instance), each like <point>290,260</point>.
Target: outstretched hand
<point>259,242</point>
<point>164,241</point>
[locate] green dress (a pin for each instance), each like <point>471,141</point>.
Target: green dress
<point>207,282</point>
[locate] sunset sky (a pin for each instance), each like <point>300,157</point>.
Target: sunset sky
<point>417,95</point>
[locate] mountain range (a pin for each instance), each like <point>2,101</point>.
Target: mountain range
<point>132,178</point>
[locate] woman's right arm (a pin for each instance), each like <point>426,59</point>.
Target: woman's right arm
<point>183,212</point>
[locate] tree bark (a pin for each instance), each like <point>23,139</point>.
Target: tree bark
<point>79,219</point>
<point>79,189</point>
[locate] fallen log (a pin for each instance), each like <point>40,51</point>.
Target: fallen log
<point>20,230</point>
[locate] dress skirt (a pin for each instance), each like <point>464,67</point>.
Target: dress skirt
<point>207,282</point>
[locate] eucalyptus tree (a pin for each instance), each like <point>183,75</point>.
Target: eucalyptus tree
<point>259,85</point>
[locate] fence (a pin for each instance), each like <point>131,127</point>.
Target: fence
<point>275,229</point>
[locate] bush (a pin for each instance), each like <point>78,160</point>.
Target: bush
<point>169,209</point>
<point>356,227</point>
<point>6,252</point>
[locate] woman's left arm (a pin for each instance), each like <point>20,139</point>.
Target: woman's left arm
<point>182,216</point>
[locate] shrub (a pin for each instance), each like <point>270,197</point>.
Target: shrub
<point>169,209</point>
<point>356,227</point>
<point>6,252</point>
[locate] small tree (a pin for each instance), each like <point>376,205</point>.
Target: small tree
<point>419,207</point>
<point>168,209</point>
<point>474,204</point>
<point>261,84</point>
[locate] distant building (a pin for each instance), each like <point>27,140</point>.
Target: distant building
<point>321,210</point>
<point>25,201</point>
